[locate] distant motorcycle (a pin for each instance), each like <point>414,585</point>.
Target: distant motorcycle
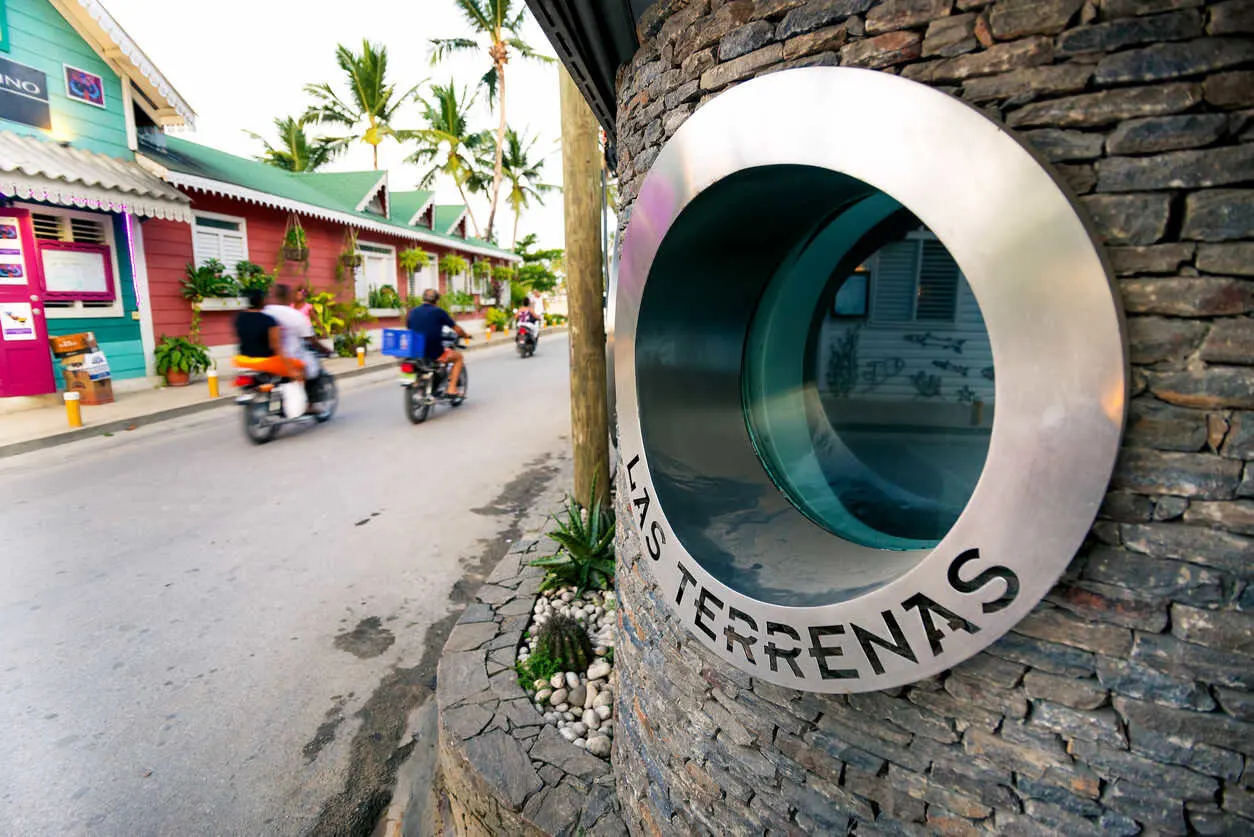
<point>261,396</point>
<point>525,339</point>
<point>426,382</point>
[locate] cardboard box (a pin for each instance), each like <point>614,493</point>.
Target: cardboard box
<point>91,392</point>
<point>92,363</point>
<point>73,344</point>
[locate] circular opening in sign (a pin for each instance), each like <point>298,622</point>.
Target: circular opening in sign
<point>815,385</point>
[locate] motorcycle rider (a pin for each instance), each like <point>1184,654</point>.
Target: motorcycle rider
<point>429,320</point>
<point>260,339</point>
<point>529,320</point>
<point>297,334</point>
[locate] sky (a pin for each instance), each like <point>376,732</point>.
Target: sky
<point>241,63</point>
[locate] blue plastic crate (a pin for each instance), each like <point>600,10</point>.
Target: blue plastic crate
<point>401,342</point>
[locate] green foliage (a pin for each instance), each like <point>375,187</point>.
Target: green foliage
<point>295,236</point>
<point>250,276</point>
<point>538,666</point>
<point>554,319</point>
<point>563,639</point>
<point>326,316</point>
<point>482,270</point>
<point>297,151</point>
<point>415,258</point>
<point>451,265</point>
<point>497,319</point>
<point>609,655</point>
<point>585,555</point>
<point>383,297</point>
<point>457,299</point>
<point>346,344</point>
<point>208,281</point>
<point>502,273</point>
<point>372,101</point>
<point>540,269</point>
<point>517,293</point>
<point>179,354</point>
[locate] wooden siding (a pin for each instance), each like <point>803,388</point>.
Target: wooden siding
<point>39,37</point>
<point>168,247</point>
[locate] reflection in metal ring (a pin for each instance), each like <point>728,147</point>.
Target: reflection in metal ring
<point>813,611</point>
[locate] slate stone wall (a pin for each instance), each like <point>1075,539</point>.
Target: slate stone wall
<point>1125,703</point>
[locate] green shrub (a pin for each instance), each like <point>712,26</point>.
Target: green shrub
<point>178,354</point>
<point>497,319</point>
<point>251,276</point>
<point>538,666</point>
<point>208,281</point>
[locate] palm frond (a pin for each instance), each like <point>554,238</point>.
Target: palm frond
<point>442,48</point>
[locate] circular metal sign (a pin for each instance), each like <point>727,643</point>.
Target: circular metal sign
<point>870,378</point>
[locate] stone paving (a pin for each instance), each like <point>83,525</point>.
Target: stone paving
<point>505,770</point>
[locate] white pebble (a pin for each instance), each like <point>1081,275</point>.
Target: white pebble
<point>567,733</point>
<point>580,728</point>
<point>568,715</point>
<point>604,712</point>
<point>567,596</point>
<point>590,718</point>
<point>580,742</point>
<point>605,698</point>
<point>598,670</point>
<point>599,745</point>
<point>557,681</point>
<point>539,684</point>
<point>543,695</point>
<point>591,696</point>
<point>572,680</point>
<point>600,650</point>
<point>558,697</point>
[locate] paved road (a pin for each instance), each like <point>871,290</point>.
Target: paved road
<point>199,636</point>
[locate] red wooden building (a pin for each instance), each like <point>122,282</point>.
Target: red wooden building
<point>242,208</point>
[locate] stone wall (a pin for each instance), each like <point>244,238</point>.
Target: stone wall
<point>1125,703</point>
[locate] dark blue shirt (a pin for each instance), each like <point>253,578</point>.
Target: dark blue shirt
<point>429,321</point>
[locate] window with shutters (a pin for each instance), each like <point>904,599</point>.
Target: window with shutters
<point>220,237</point>
<point>72,227</point>
<point>914,281</point>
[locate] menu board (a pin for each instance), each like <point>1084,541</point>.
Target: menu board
<point>12,265</point>
<point>76,271</point>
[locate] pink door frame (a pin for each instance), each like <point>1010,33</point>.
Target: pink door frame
<point>25,361</point>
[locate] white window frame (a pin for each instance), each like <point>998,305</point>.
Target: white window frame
<point>200,258</point>
<point>75,310</point>
<point>378,249</point>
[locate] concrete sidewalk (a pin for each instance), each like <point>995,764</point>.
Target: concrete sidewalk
<point>46,427</point>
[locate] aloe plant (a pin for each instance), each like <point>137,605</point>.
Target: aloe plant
<point>585,555</point>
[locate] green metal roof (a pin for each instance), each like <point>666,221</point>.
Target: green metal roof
<point>446,216</point>
<point>340,192</point>
<point>406,204</point>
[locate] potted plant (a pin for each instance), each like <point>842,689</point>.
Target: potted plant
<point>383,301</point>
<point>251,276</point>
<point>350,257</point>
<point>412,259</point>
<point>496,320</point>
<point>179,358</point>
<point>295,245</point>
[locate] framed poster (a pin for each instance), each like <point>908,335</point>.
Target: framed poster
<point>12,263</point>
<point>76,271</point>
<point>17,321</point>
<point>82,86</point>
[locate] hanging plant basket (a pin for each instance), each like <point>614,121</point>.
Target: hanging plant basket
<point>295,245</point>
<point>349,256</point>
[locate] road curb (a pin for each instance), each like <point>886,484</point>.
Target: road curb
<point>57,439</point>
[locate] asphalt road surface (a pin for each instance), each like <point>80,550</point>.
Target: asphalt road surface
<point>201,636</point>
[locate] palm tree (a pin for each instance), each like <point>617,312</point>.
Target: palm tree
<point>519,171</point>
<point>445,143</point>
<point>496,23</point>
<point>372,102</point>
<point>297,151</point>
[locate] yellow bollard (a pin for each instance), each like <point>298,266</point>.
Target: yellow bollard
<point>361,355</point>
<point>213,383</point>
<point>73,411</point>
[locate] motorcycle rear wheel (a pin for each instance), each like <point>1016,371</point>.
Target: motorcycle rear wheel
<point>417,407</point>
<point>257,424</point>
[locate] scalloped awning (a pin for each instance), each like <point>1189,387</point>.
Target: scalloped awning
<point>36,170</point>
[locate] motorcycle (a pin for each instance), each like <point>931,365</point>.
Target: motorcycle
<point>261,396</point>
<point>525,339</point>
<point>425,382</point>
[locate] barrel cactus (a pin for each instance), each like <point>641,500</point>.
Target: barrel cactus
<point>564,639</point>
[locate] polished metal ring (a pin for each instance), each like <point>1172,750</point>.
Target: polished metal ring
<point>755,581</point>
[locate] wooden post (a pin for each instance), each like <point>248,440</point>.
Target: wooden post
<point>581,190</point>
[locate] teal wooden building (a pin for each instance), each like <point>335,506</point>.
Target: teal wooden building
<point>75,95</point>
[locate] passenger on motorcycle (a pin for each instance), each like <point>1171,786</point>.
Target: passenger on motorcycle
<point>260,340</point>
<point>297,334</point>
<point>429,320</point>
<point>528,319</point>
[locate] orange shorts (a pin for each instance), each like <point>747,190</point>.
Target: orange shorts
<point>275,365</point>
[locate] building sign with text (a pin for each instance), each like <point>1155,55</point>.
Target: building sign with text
<point>862,443</point>
<point>24,95</point>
